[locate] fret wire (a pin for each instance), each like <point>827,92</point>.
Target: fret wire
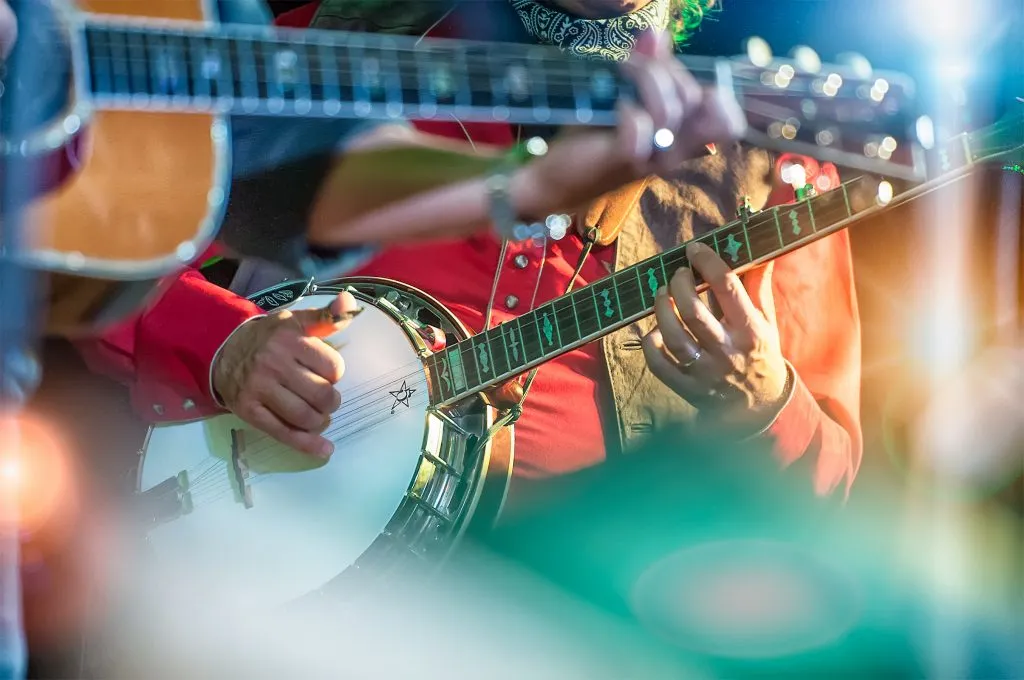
<point>618,302</point>
<point>575,315</point>
<point>504,345</point>
<point>746,237</point>
<point>778,226</point>
<point>120,65</point>
<point>203,86</point>
<point>810,213</point>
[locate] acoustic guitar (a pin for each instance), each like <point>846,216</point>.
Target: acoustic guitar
<point>145,141</point>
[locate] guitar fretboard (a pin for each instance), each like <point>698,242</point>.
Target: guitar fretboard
<point>259,71</point>
<point>613,302</point>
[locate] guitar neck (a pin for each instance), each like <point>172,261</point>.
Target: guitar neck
<point>281,72</point>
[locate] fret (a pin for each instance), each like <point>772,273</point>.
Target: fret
<point>248,80</point>
<point>539,95</point>
<point>502,362</point>
<point>647,279</point>
<point>587,318</point>
<point>203,84</point>
<point>327,75</point>
<point>565,320</point>
<point>441,381</point>
<point>831,207</point>
<point>529,332</point>
<point>305,95</point>
<point>606,303</point>
<point>778,225</point>
<point>483,358</point>
<point>795,222</point>
<point>170,77</point>
<point>455,368</point>
<point>764,234</point>
<point>630,294</point>
<point>579,75</point>
<point>547,329</point>
<point>102,77</point>
<point>732,244</point>
<point>513,339</point>
<point>393,90</point>
<point>467,355</point>
<point>120,58</point>
<point>949,156</point>
<point>139,65</point>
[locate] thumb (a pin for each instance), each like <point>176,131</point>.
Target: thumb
<point>329,319</point>
<point>758,283</point>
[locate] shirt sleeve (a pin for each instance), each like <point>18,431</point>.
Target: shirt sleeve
<point>278,168</point>
<point>819,325</point>
<point>163,355</point>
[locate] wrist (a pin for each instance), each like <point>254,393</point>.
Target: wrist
<point>214,373</point>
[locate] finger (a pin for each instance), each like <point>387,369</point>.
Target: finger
<point>652,43</point>
<point>656,91</point>
<point>681,344</point>
<point>676,339</point>
<point>636,136</point>
<point>307,442</point>
<point>664,367</point>
<point>319,357</point>
<point>313,389</point>
<point>726,286</point>
<point>720,118</point>
<point>696,316</point>
<point>686,144</point>
<point>291,408</point>
<point>759,284</point>
<point>329,319</point>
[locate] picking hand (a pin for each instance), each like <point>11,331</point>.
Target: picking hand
<point>732,369</point>
<point>278,375</point>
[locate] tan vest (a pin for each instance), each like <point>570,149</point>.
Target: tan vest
<point>703,194</point>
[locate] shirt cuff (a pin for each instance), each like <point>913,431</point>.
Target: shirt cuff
<point>213,362</point>
<point>794,427</point>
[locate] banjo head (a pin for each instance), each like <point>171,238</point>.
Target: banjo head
<point>399,489</point>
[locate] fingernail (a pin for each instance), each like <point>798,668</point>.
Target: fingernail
<point>663,291</point>
<point>326,449</point>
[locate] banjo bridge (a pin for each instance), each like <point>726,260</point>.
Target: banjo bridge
<point>167,501</point>
<point>240,470</point>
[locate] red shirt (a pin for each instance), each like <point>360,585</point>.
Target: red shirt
<point>167,362</point>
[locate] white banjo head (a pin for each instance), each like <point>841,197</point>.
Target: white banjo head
<point>308,520</point>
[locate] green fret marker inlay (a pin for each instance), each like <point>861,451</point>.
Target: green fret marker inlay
<point>1014,168</point>
<point>445,375</point>
<point>512,342</point>
<point>549,330</point>
<point>794,219</point>
<point>607,297</point>
<point>652,281</point>
<point>483,359</point>
<point>732,248</point>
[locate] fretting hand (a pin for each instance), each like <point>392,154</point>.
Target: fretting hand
<point>731,369</point>
<point>278,375</point>
<point>585,164</point>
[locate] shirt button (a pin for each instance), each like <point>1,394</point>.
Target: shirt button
<point>188,404</point>
<point>511,301</point>
<point>521,261</point>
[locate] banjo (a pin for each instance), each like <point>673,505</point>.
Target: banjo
<point>415,461</point>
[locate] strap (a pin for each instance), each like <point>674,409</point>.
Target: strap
<point>608,213</point>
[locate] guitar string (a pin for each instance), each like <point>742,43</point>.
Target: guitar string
<point>556,72</point>
<point>222,485</point>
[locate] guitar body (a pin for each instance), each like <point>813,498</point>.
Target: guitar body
<point>401,488</point>
<point>140,196</point>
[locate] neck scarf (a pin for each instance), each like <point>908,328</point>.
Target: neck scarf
<point>596,39</point>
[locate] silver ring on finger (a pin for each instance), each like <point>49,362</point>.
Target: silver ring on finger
<point>693,360</point>
<point>664,139</point>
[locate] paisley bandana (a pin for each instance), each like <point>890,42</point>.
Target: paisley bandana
<point>595,39</point>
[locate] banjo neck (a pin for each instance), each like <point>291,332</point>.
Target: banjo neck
<point>498,354</point>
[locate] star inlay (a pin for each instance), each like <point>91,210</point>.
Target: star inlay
<point>402,396</point>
